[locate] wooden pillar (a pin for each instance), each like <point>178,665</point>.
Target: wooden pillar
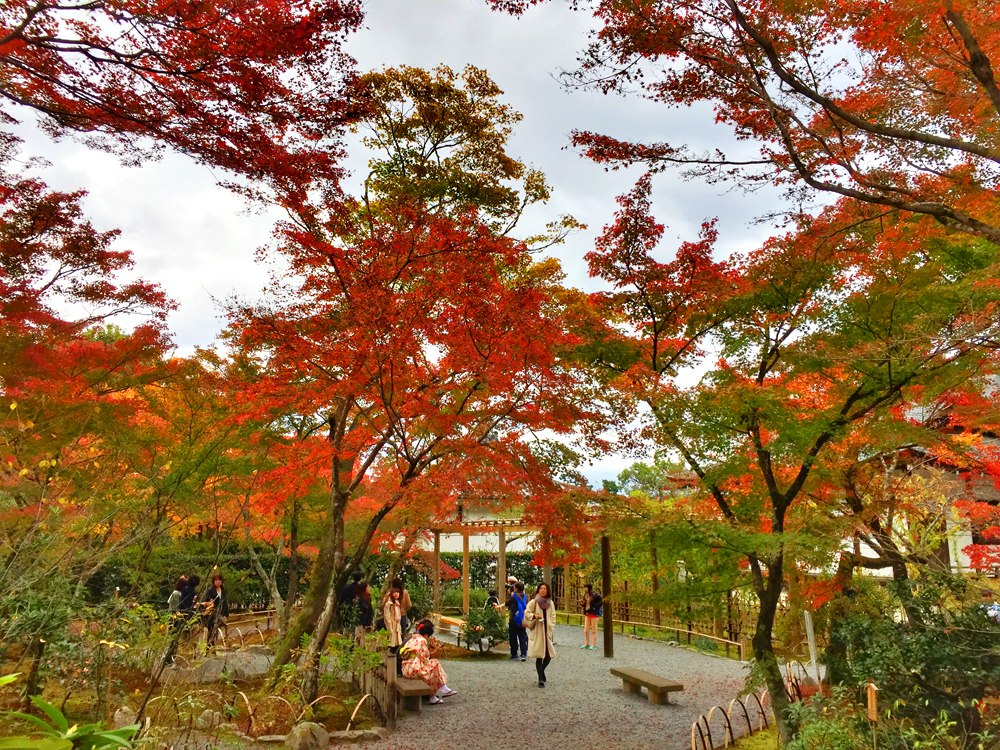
<point>546,563</point>
<point>502,564</point>
<point>569,601</point>
<point>437,571</point>
<point>390,689</point>
<point>656,583</point>
<point>609,624</point>
<point>465,572</point>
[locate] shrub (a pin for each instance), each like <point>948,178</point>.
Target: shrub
<point>483,629</point>
<point>932,667</point>
<point>452,597</point>
<point>421,599</point>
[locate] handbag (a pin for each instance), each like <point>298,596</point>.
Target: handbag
<point>530,624</point>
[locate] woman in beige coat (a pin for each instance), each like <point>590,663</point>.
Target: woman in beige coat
<point>392,614</point>
<point>540,620</point>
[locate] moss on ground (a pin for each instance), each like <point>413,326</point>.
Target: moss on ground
<point>764,740</point>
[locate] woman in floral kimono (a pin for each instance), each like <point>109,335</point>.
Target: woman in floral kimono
<point>420,665</point>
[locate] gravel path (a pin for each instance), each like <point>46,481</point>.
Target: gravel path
<point>499,704</point>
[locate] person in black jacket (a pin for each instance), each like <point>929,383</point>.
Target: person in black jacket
<point>189,597</point>
<point>215,605</point>
<point>363,600</point>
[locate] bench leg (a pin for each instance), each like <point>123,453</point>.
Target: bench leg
<point>412,703</point>
<point>631,687</point>
<point>661,699</point>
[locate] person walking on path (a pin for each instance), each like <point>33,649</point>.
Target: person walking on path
<point>540,619</point>
<point>421,665</point>
<point>392,617</point>
<point>592,610</point>
<point>216,604</point>
<point>516,604</point>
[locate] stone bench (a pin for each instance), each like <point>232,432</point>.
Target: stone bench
<point>412,692</point>
<point>634,680</point>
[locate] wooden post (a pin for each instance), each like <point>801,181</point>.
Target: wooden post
<point>656,581</point>
<point>390,688</point>
<point>437,572</point>
<point>569,601</point>
<point>811,638</point>
<point>872,695</point>
<point>546,563</point>
<point>465,572</point>
<point>609,620</point>
<point>502,564</point>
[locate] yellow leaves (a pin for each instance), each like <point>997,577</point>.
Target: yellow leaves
<point>13,405</point>
<point>113,644</point>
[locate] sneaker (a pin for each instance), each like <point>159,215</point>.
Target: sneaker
<point>585,646</point>
<point>524,658</point>
<point>435,700</point>
<point>513,658</point>
<point>541,684</point>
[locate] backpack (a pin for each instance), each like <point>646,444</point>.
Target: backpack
<point>522,602</point>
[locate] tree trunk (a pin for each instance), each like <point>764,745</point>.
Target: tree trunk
<point>763,646</point>
<point>293,571</point>
<point>37,650</point>
<point>310,676</point>
<point>836,652</point>
<point>324,569</point>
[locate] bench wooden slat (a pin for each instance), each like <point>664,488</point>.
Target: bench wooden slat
<point>407,687</point>
<point>647,679</point>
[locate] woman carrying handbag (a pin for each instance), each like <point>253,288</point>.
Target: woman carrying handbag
<point>540,620</point>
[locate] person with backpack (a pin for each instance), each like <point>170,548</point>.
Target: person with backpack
<point>516,605</point>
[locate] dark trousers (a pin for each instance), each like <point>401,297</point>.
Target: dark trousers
<point>540,665</point>
<point>518,636</point>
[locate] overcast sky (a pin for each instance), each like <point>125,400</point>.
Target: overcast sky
<point>198,241</point>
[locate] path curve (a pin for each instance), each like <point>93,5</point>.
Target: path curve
<point>583,707</point>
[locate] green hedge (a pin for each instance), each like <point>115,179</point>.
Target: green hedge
<point>483,568</point>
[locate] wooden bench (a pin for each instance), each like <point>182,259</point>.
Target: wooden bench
<point>412,692</point>
<point>634,680</point>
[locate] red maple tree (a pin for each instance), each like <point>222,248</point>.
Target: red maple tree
<point>258,87</point>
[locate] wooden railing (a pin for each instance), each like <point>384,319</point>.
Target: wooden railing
<point>380,684</point>
<point>624,624</point>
